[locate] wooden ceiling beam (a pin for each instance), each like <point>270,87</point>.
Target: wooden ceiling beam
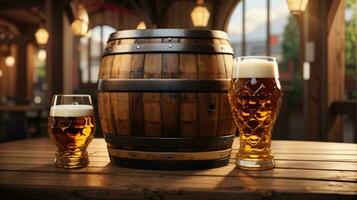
<point>152,12</point>
<point>9,26</point>
<point>20,4</point>
<point>9,20</point>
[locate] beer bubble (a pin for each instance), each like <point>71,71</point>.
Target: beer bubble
<point>253,81</point>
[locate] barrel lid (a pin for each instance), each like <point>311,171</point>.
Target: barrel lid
<point>176,33</point>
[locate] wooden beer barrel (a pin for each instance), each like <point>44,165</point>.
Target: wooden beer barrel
<point>162,98</point>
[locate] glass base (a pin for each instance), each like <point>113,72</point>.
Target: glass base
<point>71,160</point>
<point>255,164</point>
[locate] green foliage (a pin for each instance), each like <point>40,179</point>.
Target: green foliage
<point>290,43</point>
<point>350,3</point>
<point>290,46</point>
<point>350,38</point>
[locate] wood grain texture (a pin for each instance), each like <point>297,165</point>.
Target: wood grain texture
<point>152,100</point>
<point>298,174</point>
<point>105,113</point>
<point>170,109</point>
<point>166,114</point>
<point>325,26</point>
<point>188,101</point>
<point>136,107</point>
<point>335,66</point>
<point>208,103</point>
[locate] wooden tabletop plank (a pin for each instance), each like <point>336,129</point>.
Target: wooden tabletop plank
<point>302,168</point>
<point>276,145</point>
<point>230,170</point>
<point>167,182</point>
<point>103,151</point>
<point>54,193</point>
<point>285,164</point>
<point>94,153</point>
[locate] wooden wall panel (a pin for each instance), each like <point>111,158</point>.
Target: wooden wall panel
<point>314,84</point>
<point>31,52</point>
<point>54,60</point>
<point>326,84</point>
<point>335,65</point>
<point>8,79</point>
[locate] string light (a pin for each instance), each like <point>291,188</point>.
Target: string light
<point>9,61</point>
<point>141,25</point>
<point>297,6</point>
<point>42,35</point>
<point>80,24</point>
<point>41,55</point>
<point>200,14</point>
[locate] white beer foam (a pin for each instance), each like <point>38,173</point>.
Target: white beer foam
<point>256,68</point>
<point>71,110</point>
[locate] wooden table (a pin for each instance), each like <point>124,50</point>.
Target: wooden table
<point>20,111</point>
<point>23,107</point>
<point>309,170</point>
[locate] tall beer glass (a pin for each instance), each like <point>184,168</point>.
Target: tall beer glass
<point>71,126</point>
<point>255,97</point>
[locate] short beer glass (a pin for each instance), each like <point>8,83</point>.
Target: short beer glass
<point>255,97</point>
<point>71,126</point>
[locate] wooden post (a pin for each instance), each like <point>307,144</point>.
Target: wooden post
<point>223,14</point>
<point>54,62</point>
<point>21,69</point>
<point>355,115</point>
<point>268,48</point>
<point>326,84</point>
<point>244,46</point>
<point>30,50</point>
<point>335,66</point>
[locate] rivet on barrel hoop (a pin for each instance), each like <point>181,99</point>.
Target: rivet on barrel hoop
<point>170,45</point>
<point>138,47</point>
<point>133,155</point>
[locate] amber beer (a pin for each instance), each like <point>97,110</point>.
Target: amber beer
<point>71,128</point>
<point>255,97</point>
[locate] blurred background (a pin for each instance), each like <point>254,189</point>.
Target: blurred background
<point>49,47</point>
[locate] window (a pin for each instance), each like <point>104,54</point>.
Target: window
<point>254,40</point>
<point>90,50</point>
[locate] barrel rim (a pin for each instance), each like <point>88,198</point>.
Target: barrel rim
<point>169,48</point>
<point>151,155</point>
<point>169,164</point>
<point>193,144</point>
<point>169,33</point>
